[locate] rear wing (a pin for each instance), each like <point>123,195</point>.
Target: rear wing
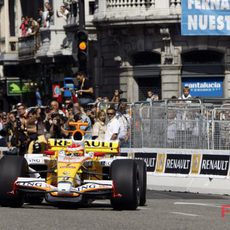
<point>102,146</point>
<point>89,145</point>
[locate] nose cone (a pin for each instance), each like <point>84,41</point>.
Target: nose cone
<point>64,187</point>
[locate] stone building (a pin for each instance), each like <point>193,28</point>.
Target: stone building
<point>134,45</point>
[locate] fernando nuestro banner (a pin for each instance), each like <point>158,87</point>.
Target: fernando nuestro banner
<point>205,17</point>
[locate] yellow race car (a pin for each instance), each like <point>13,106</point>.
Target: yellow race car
<point>73,172</point>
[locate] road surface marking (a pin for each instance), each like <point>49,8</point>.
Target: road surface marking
<point>199,204</point>
<point>143,208</point>
<point>185,214</point>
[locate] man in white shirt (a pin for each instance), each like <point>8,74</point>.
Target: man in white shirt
<point>124,120</point>
<point>113,126</point>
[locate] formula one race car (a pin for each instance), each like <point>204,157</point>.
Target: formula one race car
<point>73,172</point>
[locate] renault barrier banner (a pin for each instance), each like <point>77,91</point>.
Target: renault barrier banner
<point>205,17</point>
<point>178,163</point>
<point>194,163</point>
<point>214,165</point>
<point>149,158</point>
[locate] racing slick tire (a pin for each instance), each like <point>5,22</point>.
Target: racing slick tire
<point>11,167</point>
<point>124,177</point>
<point>142,181</point>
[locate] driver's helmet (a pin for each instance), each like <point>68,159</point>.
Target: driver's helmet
<point>75,149</point>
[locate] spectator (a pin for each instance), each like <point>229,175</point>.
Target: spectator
<point>171,129</point>
<point>20,138</point>
<point>33,27</point>
<point>151,96</point>
<point>2,138</point>
<point>67,107</point>
<point>40,18</point>
<point>57,124</point>
<point>124,120</point>
<point>38,97</point>
<point>186,93</point>
<point>23,26</point>
<point>113,125</point>
<point>40,113</point>
<point>79,113</point>
<point>99,127</point>
<point>116,96</point>
<point>47,15</point>
<point>21,115</point>
<point>63,12</point>
<point>31,124</point>
<point>55,108</point>
<point>91,114</point>
<point>85,89</point>
<point>10,127</point>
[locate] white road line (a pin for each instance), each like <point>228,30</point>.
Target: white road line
<point>199,204</point>
<point>143,208</point>
<point>185,214</point>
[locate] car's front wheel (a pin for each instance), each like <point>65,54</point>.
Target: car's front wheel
<point>124,177</point>
<point>11,167</point>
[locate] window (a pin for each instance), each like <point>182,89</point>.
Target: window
<point>146,58</point>
<point>91,8</point>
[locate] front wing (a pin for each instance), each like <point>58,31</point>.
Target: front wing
<point>31,185</point>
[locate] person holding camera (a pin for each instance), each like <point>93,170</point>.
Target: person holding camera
<point>31,124</point>
<point>19,136</point>
<point>54,108</point>
<point>85,89</point>
<point>8,129</point>
<point>55,126</point>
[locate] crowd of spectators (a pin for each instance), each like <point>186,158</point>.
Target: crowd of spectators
<point>30,26</point>
<point>106,120</point>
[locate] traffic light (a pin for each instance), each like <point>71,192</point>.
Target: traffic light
<point>82,47</point>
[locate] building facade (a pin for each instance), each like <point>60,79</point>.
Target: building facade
<point>134,45</point>
<point>143,39</point>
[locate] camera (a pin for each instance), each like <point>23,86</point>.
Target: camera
<point>48,109</point>
<point>53,115</point>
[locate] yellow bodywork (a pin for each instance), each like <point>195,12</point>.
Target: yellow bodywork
<point>68,166</point>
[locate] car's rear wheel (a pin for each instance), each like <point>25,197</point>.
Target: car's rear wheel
<point>124,176</point>
<point>142,181</point>
<point>11,167</point>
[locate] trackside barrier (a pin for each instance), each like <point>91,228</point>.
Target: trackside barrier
<point>184,170</point>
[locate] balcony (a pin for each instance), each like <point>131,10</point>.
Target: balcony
<point>27,47</point>
<point>47,43</point>
<point>137,11</point>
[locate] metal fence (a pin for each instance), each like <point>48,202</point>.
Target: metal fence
<point>168,124</point>
<point>178,124</point>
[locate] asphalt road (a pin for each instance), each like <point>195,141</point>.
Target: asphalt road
<point>164,210</point>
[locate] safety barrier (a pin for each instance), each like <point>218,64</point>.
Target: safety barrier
<point>204,171</point>
<point>183,124</point>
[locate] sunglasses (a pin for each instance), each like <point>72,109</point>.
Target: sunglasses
<point>110,113</point>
